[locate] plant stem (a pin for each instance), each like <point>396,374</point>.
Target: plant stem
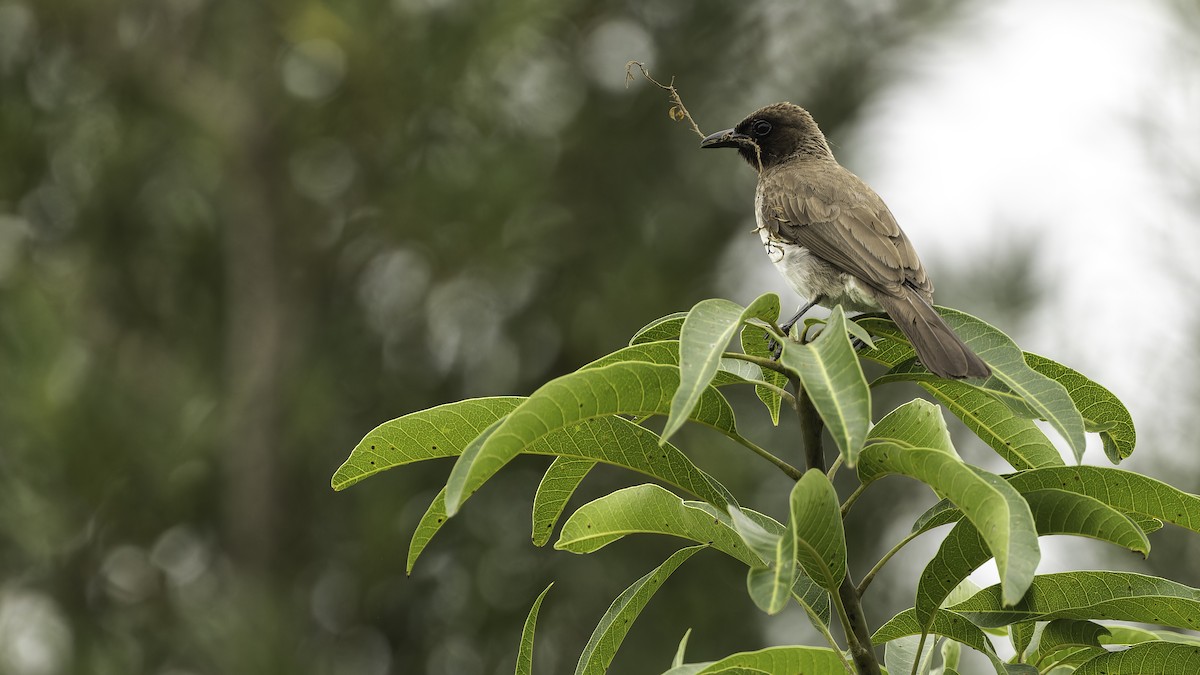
<point>810,429</point>
<point>850,612</point>
<point>855,623</point>
<point>866,581</point>
<point>837,464</point>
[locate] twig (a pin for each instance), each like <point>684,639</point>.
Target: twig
<point>679,111</point>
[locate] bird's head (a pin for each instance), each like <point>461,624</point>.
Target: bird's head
<point>772,135</point>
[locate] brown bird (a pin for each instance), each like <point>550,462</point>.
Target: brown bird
<point>834,239</point>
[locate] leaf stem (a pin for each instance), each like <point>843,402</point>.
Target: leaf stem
<point>761,361</point>
<point>852,498</point>
<point>837,464</point>
<point>824,630</point>
<point>791,471</point>
<point>783,393</point>
<point>866,581</point>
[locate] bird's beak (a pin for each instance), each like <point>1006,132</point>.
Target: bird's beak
<point>725,139</point>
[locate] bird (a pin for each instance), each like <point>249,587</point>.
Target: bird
<point>834,240</point>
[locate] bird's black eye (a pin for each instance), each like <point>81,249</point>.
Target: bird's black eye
<point>761,128</point>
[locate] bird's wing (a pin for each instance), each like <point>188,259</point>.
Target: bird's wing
<point>832,213</point>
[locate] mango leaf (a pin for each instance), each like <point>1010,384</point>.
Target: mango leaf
<point>443,431</point>
<point>1101,410</point>
<point>942,513</point>
<point>833,379</point>
<point>770,589</point>
<point>1123,490</point>
<point>1046,397</point>
<point>951,655</point>
<point>1062,634</point>
<point>1167,658</point>
<point>556,487</point>
<point>916,424</point>
<point>1020,634</point>
<point>707,330</point>
<point>1115,596</point>
<point>816,525</point>
<point>993,506</point>
<point>616,622</point>
<point>525,653</point>
<point>900,655</point>
<point>754,343</point>
<point>631,388</point>
<point>773,660</point>
<point>648,509</point>
<point>681,649</point>
<point>611,440</point>
<point>435,516</point>
<point>1054,512</point>
<point>730,371</point>
<point>944,623</point>
<point>1016,439</point>
<point>666,328</point>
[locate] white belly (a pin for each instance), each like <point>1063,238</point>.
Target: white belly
<point>812,277</point>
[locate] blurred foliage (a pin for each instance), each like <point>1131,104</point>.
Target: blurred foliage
<point>234,235</point>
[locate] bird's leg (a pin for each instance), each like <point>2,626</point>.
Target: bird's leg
<point>777,348</point>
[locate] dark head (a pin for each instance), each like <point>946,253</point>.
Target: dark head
<point>780,131</point>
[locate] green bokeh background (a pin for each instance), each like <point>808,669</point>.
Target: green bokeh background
<point>235,236</point>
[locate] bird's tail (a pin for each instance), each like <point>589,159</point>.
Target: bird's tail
<point>940,350</point>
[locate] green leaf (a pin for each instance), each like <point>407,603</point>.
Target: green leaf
<point>1101,410</point>
<point>611,440</point>
<point>951,655</point>
<point>431,522</point>
<point>525,653</point>
<point>1116,596</point>
<point>833,379</point>
<point>1123,490</point>
<point>773,660</point>
<point>616,622</point>
<point>944,623</point>
<point>631,388</point>
<point>754,343</point>
<point>679,651</point>
<point>730,371</point>
<point>1048,398</point>
<point>666,328</point>
<point>1162,658</point>
<point>816,524</point>
<point>709,327</point>
<point>556,487</point>
<point>993,506</point>
<point>1061,634</point>
<point>916,424</point>
<point>1054,512</point>
<point>443,431</point>
<point>1020,634</point>
<point>769,587</point>
<point>900,656</point>
<point>648,509</point>
<point>1016,439</point>
<point>942,513</point>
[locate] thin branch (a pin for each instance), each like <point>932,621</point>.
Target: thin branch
<point>866,581</point>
